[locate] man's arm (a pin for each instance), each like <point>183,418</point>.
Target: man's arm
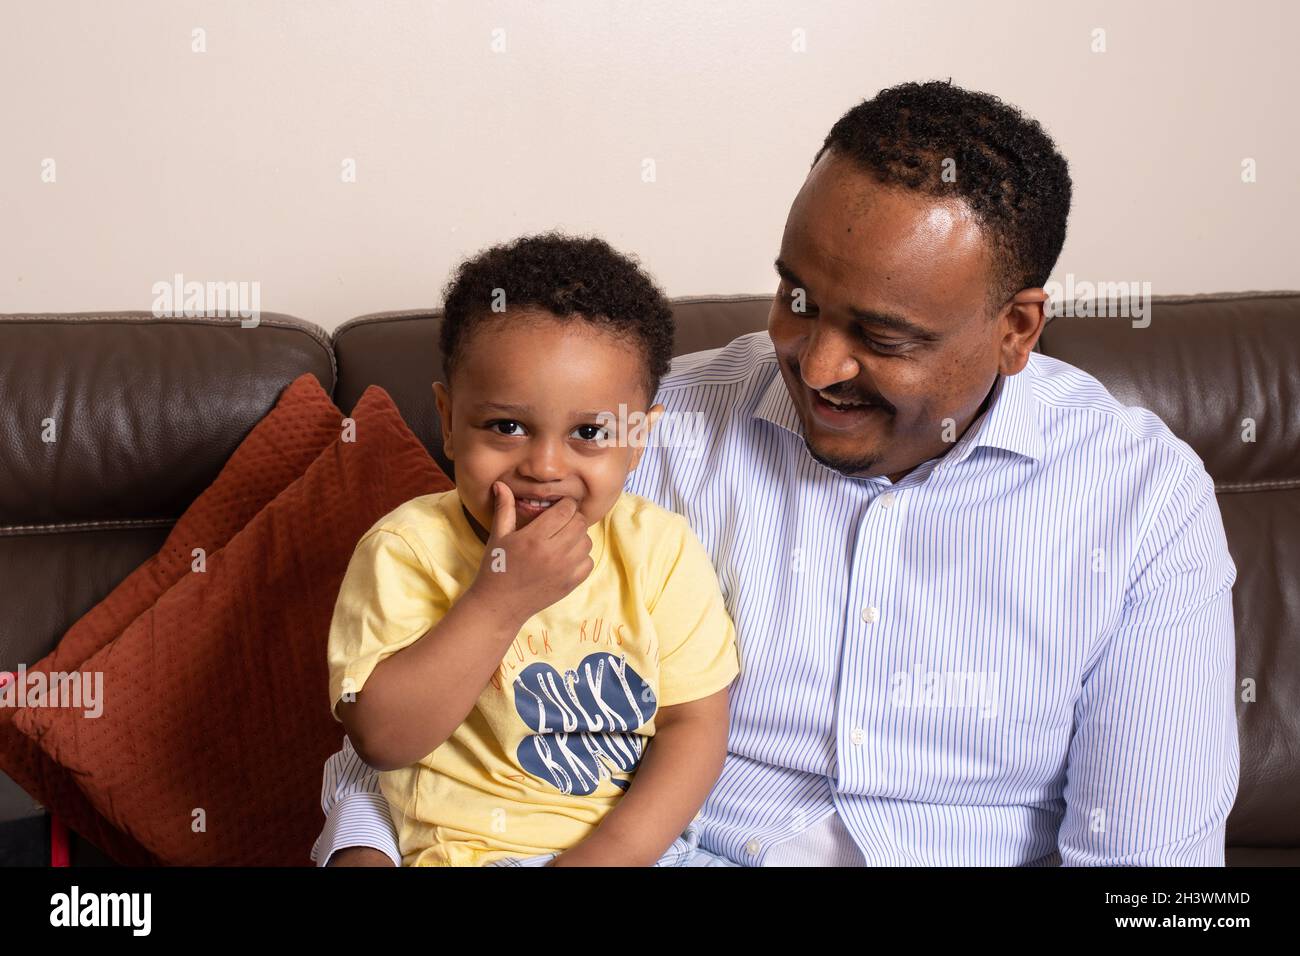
<point>1153,762</point>
<point>358,827</point>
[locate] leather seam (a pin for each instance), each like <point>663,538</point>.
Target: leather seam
<point>370,318</point>
<point>310,329</point>
<point>1278,484</point>
<point>14,530</point>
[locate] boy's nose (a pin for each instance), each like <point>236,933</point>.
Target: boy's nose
<point>544,462</point>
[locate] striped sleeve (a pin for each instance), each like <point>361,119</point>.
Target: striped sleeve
<point>1153,764</point>
<point>356,813</point>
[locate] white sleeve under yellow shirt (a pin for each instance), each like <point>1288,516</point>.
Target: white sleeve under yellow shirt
<point>558,732</point>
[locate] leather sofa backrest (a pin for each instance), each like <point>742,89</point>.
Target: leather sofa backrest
<point>1223,372</point>
<point>143,413</point>
<point>148,410</point>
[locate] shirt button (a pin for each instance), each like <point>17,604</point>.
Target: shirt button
<point>887,500</point>
<point>752,848</point>
<point>857,736</point>
<point>870,615</point>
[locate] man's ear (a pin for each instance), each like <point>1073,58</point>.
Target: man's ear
<point>651,418</point>
<point>1021,323</point>
<point>442,398</point>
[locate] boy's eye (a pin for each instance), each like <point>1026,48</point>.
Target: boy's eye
<point>505,423</point>
<point>512,429</point>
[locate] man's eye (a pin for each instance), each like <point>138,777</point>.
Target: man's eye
<point>599,431</point>
<point>505,423</point>
<point>888,348</point>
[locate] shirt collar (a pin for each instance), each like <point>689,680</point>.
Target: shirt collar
<point>1011,421</point>
<point>776,406</point>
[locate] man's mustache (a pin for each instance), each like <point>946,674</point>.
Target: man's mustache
<point>845,395</point>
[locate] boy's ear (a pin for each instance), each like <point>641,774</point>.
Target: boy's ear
<point>652,416</point>
<point>442,398</point>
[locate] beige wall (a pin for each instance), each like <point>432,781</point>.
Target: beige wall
<point>226,165</point>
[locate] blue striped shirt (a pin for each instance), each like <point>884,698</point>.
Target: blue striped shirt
<point>1022,652</point>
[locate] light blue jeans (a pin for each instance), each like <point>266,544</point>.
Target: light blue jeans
<point>685,851</point>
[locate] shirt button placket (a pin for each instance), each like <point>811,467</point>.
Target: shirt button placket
<point>876,564</point>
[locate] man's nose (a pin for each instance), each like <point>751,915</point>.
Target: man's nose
<point>827,359</point>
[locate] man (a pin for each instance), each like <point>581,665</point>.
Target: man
<point>984,611</point>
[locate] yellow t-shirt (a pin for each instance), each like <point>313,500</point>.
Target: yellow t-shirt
<point>558,732</point>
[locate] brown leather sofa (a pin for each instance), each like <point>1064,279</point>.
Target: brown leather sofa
<point>150,409</point>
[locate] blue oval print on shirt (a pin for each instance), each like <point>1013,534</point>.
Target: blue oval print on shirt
<point>583,722</point>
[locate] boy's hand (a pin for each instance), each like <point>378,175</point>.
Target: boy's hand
<point>536,565</point>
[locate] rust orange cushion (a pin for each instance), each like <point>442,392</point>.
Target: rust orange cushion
<point>276,452</point>
<point>216,721</point>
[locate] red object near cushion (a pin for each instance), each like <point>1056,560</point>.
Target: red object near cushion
<point>273,454</point>
<point>216,722</point>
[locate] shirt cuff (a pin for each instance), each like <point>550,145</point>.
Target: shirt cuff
<point>358,819</point>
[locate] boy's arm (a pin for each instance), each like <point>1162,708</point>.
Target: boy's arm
<point>680,766</point>
<point>415,699</point>
<point>698,661</point>
<point>407,666</point>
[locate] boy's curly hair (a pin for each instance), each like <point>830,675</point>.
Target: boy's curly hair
<point>572,277</point>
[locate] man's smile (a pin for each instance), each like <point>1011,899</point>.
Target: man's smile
<point>841,417</point>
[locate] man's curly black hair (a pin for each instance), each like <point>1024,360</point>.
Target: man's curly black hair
<point>572,277</point>
<point>1007,169</point>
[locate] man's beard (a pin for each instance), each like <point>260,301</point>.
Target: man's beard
<point>849,467</point>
